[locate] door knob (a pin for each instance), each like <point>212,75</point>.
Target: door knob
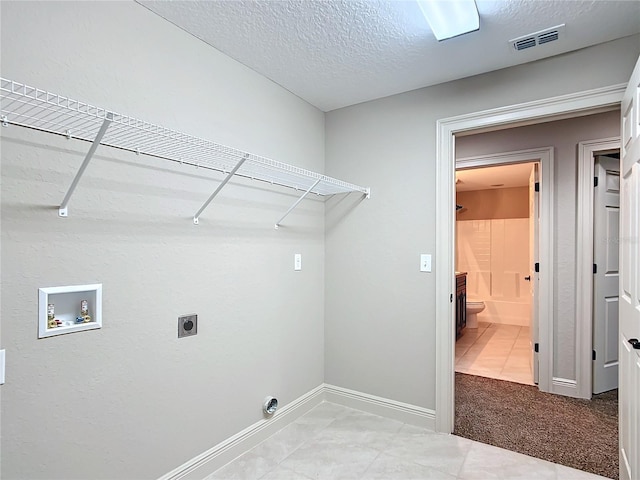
<point>634,343</point>
<point>528,278</point>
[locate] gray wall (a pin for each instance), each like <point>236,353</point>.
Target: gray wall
<point>380,325</point>
<point>564,136</point>
<point>131,400</point>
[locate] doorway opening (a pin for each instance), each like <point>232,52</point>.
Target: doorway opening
<point>573,105</point>
<point>597,315</point>
<point>520,290</point>
<point>496,248</point>
<point>478,415</point>
<point>606,227</point>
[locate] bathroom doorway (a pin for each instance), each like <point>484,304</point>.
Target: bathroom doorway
<point>496,250</point>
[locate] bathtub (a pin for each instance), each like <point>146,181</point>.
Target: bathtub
<point>505,312</point>
<point>495,255</point>
<point>505,295</point>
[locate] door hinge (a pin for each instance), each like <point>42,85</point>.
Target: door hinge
<point>536,267</point>
<point>593,355</point>
<point>595,268</point>
<point>595,181</point>
<point>536,187</point>
<point>536,347</point>
<point>451,298</point>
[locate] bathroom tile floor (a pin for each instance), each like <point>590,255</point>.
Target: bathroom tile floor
<point>333,442</point>
<point>495,351</point>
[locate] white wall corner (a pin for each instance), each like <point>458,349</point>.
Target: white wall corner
<point>403,412</point>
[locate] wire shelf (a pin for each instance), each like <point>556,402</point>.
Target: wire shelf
<point>41,110</point>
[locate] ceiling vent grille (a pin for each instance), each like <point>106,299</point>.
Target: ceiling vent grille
<point>538,38</point>
<point>548,37</point>
<point>525,43</point>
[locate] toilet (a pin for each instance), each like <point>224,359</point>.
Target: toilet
<point>473,309</point>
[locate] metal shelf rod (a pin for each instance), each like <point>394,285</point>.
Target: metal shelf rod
<point>297,202</point>
<point>196,217</point>
<point>103,129</point>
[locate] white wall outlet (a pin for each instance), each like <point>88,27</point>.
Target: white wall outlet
<point>297,262</point>
<point>425,262</point>
<point>2,356</point>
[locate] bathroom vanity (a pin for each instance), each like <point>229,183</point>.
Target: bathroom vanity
<point>461,302</point>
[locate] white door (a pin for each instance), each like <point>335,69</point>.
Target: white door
<point>534,222</point>
<point>606,226</point>
<point>629,338</point>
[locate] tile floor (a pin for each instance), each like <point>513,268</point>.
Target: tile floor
<point>333,442</point>
<point>495,351</point>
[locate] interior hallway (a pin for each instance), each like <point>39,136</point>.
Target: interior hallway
<point>496,351</point>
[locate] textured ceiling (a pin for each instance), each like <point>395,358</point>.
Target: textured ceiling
<point>334,53</point>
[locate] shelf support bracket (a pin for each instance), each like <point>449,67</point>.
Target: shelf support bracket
<point>297,202</point>
<point>62,211</point>
<point>196,217</point>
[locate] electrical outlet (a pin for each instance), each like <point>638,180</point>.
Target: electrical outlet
<point>187,325</point>
<point>297,262</point>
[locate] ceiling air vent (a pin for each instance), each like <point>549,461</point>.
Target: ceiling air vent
<point>525,43</point>
<point>538,38</point>
<point>548,37</point>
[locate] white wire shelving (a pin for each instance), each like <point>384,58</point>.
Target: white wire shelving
<point>38,109</point>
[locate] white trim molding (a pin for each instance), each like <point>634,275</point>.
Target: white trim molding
<point>502,158</point>
<point>208,462</point>
<point>584,261</point>
<point>544,156</point>
<point>565,386</point>
<point>404,412</point>
<point>576,104</point>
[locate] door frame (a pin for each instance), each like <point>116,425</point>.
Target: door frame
<point>544,157</point>
<point>584,260</point>
<point>554,108</point>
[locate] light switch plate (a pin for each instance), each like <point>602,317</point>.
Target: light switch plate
<point>297,262</point>
<point>425,262</point>
<point>2,357</point>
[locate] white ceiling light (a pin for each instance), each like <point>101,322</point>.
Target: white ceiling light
<point>450,18</point>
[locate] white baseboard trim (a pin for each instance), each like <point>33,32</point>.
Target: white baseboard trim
<point>208,462</point>
<point>564,386</point>
<point>404,412</point>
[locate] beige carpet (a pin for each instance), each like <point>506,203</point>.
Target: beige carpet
<point>577,433</point>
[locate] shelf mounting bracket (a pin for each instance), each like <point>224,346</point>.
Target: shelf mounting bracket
<point>62,211</point>
<point>196,217</point>
<point>297,202</point>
